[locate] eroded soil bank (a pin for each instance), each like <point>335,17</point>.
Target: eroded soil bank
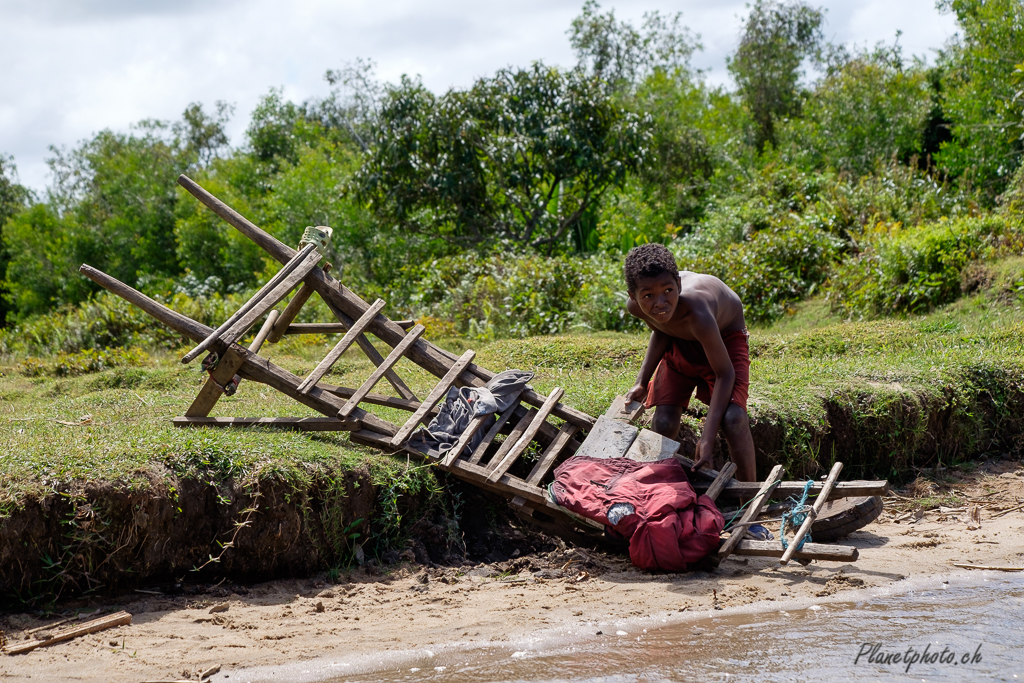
<point>541,585</point>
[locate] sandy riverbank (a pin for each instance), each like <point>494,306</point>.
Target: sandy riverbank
<point>177,637</point>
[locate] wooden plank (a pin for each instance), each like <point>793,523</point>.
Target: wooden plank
<point>550,454</point>
<point>812,514</point>
<point>276,295</point>
<point>290,311</point>
<point>513,438</point>
<point>301,424</point>
<point>373,354</point>
<point>213,389</point>
<point>751,513</point>
<point>842,489</point>
<point>332,328</point>
<point>810,551</point>
<point>524,440</point>
<point>332,357</point>
<point>435,395</point>
<point>292,263</point>
<point>375,376</point>
<point>373,398</point>
<point>608,439</point>
<point>650,447</point>
<point>620,409</point>
<point>471,429</point>
<point>492,433</point>
<point>723,478</point>
<point>93,626</point>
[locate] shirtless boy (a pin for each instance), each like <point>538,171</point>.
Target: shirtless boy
<point>698,340</point>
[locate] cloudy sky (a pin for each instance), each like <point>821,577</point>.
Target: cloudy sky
<point>74,67</point>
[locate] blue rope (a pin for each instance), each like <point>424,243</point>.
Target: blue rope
<point>796,516</point>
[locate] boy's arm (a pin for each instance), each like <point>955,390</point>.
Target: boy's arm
<point>656,349</point>
<point>710,337</point>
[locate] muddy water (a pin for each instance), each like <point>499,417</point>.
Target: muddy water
<point>959,629</point>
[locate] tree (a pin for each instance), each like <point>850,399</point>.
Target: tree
<point>13,199</point>
<point>521,156</point>
<point>865,111</point>
<point>623,56</point>
<point>982,90</point>
<point>776,39</point>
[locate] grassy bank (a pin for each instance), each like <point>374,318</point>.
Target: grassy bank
<point>98,490</point>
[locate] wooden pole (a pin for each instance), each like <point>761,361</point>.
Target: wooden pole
<point>812,514</point>
<point>100,624</point>
<point>721,480</point>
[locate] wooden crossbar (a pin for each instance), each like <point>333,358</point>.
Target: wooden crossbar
<point>524,440</point>
<point>753,510</point>
<point>263,292</point>
<point>721,480</point>
<point>371,351</point>
<point>301,424</point>
<point>332,357</point>
<point>375,376</point>
<point>551,453</point>
<point>435,395</point>
<point>812,514</point>
<point>513,438</point>
<point>291,310</point>
<point>492,433</point>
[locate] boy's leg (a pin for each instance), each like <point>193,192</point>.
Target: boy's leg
<point>736,428</point>
<point>666,420</point>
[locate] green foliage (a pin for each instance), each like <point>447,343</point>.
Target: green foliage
<point>982,95</point>
<point>775,268</point>
<point>519,296</point>
<point>521,156</point>
<point>912,271</point>
<point>13,198</point>
<point>776,39</point>
<point>869,108</point>
<point>112,205</point>
<point>41,270</point>
<point>621,55</point>
<point>109,321</point>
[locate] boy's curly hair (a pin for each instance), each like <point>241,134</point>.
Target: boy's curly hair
<point>648,260</point>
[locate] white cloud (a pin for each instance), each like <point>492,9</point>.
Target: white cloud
<point>74,67</point>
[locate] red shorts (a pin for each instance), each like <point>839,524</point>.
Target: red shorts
<point>685,367</point>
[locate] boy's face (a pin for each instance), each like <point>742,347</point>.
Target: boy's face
<point>657,296</point>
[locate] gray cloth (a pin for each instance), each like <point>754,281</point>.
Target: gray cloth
<point>462,405</point>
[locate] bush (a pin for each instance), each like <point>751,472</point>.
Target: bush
<point>773,269</point>
<point>505,295</point>
<point>107,321</point>
<point>913,270</point>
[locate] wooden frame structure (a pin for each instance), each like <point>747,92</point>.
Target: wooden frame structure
<point>494,465</point>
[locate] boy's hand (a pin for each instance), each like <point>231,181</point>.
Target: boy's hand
<point>703,453</point>
<point>637,393</point>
